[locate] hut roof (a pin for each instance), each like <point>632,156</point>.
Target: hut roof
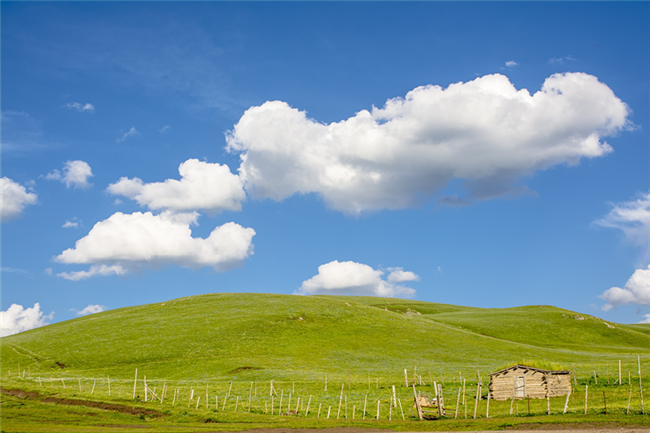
<point>525,367</point>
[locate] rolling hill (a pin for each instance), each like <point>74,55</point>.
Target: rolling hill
<point>239,336</point>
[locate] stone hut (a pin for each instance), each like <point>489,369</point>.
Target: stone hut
<point>520,381</point>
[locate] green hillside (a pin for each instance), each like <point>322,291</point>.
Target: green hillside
<point>261,336</point>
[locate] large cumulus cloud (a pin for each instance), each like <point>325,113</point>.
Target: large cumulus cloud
<point>125,242</point>
<point>484,132</point>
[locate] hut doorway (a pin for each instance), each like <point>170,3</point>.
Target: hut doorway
<point>520,386</point>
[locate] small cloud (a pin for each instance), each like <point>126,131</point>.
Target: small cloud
<point>511,64</point>
<point>75,174</point>
<point>103,270</point>
<point>636,291</point>
<point>561,59</point>
<point>72,223</point>
<point>130,133</point>
<point>90,108</point>
<point>48,271</point>
<point>91,309</point>
<point>18,319</point>
<point>117,202</point>
<point>351,278</point>
<point>53,175</point>
<point>399,275</point>
<point>440,269</point>
<point>646,320</point>
<point>633,219</point>
<point>13,270</point>
<point>165,129</point>
<point>14,198</point>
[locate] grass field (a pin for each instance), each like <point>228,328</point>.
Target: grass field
<point>187,345</point>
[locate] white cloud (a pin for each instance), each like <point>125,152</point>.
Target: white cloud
<point>484,132</point>
<point>399,275</point>
<point>18,319</point>
<point>561,59</point>
<point>48,271</point>
<point>95,270</point>
<point>81,107</point>
<point>636,291</point>
<point>646,320</point>
<point>632,218</point>
<point>202,186</point>
<point>511,63</point>
<point>14,199</point>
<point>13,270</point>
<point>165,129</point>
<point>351,278</point>
<point>91,309</point>
<point>128,242</point>
<point>131,132</point>
<point>72,223</point>
<point>75,174</point>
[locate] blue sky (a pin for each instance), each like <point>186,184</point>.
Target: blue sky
<point>483,154</point>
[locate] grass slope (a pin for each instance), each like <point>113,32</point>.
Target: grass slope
<point>210,336</point>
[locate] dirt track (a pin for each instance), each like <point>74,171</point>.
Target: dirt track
<point>34,395</point>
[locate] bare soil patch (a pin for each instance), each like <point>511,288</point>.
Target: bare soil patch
<point>122,408</point>
<point>308,430</point>
<point>243,369</point>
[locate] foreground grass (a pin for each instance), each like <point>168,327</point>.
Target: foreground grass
<point>185,414</point>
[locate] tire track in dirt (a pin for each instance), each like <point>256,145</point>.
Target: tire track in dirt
<point>122,408</point>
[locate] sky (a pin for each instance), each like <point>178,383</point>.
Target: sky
<point>482,154</point>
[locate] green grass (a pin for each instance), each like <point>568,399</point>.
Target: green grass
<point>35,415</point>
<point>213,340</point>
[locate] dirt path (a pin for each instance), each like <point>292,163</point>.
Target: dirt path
<point>122,408</point>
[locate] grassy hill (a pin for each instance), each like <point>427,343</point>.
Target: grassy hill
<point>261,336</point>
<point>216,355</point>
<point>537,325</point>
